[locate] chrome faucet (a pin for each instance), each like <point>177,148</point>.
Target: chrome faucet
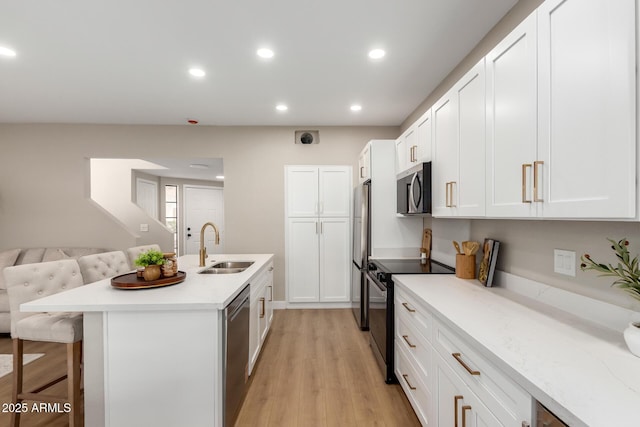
<point>203,249</point>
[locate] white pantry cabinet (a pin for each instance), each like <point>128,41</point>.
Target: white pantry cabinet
<point>318,243</point>
<point>459,148</point>
<point>586,109</point>
<point>511,122</point>
<point>318,191</point>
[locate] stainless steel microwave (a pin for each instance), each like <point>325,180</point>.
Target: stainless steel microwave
<point>414,190</point>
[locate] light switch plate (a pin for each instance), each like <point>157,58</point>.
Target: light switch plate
<point>144,227</point>
<point>564,262</point>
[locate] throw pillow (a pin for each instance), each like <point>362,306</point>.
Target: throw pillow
<point>54,254</point>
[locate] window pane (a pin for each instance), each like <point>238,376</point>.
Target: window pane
<point>171,193</point>
<point>171,224</point>
<point>171,211</point>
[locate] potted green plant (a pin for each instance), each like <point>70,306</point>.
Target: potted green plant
<point>151,260</point>
<point>627,274</point>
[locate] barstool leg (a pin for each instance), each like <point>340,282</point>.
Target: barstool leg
<point>17,378</point>
<point>74,354</point>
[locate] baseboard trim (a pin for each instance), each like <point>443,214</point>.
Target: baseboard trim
<point>284,305</point>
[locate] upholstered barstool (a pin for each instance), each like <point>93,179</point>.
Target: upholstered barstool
<point>102,266</point>
<point>28,282</point>
<point>134,252</point>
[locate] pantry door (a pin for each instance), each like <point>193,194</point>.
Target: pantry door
<point>202,205</point>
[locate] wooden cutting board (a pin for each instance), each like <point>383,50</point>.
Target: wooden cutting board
<point>426,241</point>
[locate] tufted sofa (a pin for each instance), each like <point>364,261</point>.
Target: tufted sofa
<point>13,257</point>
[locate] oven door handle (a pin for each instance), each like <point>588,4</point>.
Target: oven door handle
<point>379,286</point>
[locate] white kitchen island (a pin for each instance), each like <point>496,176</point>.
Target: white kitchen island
<point>154,356</point>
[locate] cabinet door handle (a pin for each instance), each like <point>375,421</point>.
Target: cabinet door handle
<point>406,338</point>
<point>455,409</point>
<point>361,171</point>
<point>410,310</point>
<point>465,408</point>
<point>317,228</point>
<point>446,194</point>
<point>524,183</point>
<point>270,293</point>
<point>451,197</point>
<point>536,184</point>
<point>458,357</point>
<point>405,376</point>
<point>262,307</point>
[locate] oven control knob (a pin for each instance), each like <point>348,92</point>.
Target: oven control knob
<point>381,277</point>
<point>372,267</point>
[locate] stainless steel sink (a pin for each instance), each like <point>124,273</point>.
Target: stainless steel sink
<point>227,267</point>
<point>233,264</point>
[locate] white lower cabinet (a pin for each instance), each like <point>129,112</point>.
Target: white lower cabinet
<point>445,378</point>
<point>260,313</point>
<point>456,404</point>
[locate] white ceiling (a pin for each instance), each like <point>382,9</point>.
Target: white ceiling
<point>126,62</point>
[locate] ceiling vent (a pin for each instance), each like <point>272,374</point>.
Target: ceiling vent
<point>307,137</point>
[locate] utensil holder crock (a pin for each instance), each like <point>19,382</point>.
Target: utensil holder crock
<point>465,266</point>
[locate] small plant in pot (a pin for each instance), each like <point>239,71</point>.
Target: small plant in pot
<point>151,260</point>
<point>627,274</point>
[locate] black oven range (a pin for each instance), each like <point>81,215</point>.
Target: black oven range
<point>381,296</point>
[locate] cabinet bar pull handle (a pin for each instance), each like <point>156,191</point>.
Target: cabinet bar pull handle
<point>465,408</point>
<point>458,357</point>
<point>407,381</point>
<point>446,194</point>
<point>455,409</point>
<point>361,171</point>
<point>524,182</point>
<point>406,338</point>
<point>317,227</point>
<point>270,293</point>
<point>410,310</point>
<point>452,205</point>
<point>536,185</point>
<point>262,306</point>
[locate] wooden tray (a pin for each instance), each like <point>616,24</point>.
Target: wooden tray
<point>132,281</point>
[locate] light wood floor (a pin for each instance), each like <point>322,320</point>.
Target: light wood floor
<point>316,369</point>
<point>49,367</point>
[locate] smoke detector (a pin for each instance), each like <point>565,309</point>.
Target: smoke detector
<point>306,137</point>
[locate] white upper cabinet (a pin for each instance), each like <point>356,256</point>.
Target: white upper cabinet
<point>511,123</point>
<point>414,145</point>
<point>459,148</point>
<point>364,165</point>
<point>586,110</point>
<point>318,191</point>
<point>444,172</point>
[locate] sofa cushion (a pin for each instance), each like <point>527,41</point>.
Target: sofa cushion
<point>7,259</point>
<point>54,254</point>
<point>30,256</point>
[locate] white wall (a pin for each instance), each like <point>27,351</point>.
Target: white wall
<point>44,179</point>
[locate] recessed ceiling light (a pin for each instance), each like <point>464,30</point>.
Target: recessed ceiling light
<point>197,72</point>
<point>219,176</point>
<point>198,166</point>
<point>265,53</point>
<point>356,107</point>
<point>5,51</point>
<point>377,54</point>
<point>281,107</point>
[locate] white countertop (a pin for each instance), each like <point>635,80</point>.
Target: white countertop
<point>197,292</point>
<point>581,371</point>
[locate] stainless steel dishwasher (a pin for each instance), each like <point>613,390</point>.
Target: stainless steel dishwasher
<point>236,361</point>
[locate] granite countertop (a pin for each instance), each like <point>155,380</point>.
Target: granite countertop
<point>197,292</point>
<point>582,371</point>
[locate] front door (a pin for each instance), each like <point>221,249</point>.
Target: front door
<point>202,205</point>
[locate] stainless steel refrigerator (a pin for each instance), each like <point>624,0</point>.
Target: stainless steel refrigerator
<point>361,253</point>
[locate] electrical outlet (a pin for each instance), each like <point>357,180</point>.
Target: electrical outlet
<point>144,227</point>
<point>564,262</point>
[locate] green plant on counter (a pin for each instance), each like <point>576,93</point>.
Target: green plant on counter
<point>626,272</point>
<point>151,257</point>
